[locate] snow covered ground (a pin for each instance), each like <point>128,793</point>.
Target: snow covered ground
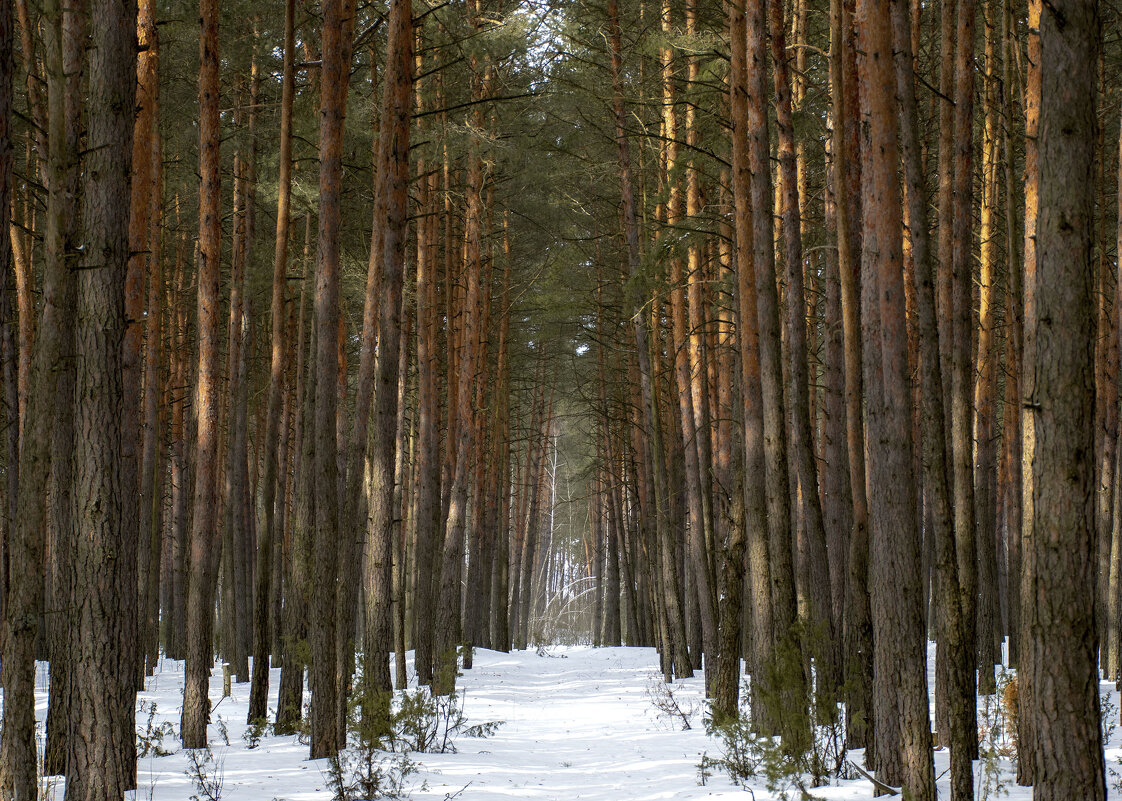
<point>577,723</point>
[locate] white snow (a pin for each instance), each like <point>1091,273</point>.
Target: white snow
<point>577,723</point>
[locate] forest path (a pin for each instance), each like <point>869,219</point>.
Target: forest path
<point>576,723</point>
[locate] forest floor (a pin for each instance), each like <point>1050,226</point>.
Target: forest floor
<point>572,723</point>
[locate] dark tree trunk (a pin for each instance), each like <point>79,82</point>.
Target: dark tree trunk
<point>290,701</point>
<point>1068,758</point>
<point>962,396</point>
<point>449,624</point>
<point>392,197</point>
<point>101,763</point>
<point>66,54</point>
<point>819,641</point>
<point>900,660</point>
<point>936,486</point>
<point>338,33</point>
<point>203,562</point>
<point>789,700</point>
<point>259,689</point>
<point>8,350</point>
<point>1026,723</point>
<point>145,233</point>
<point>752,482</point>
<point>25,546</point>
<point>427,493</point>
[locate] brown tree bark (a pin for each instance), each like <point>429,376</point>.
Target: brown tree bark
<point>64,49</point>
<point>449,626</point>
<point>1026,724</point>
<point>145,230</point>
<point>752,482</point>
<point>392,197</point>
<point>897,601</point>
<point>648,409</point>
<point>100,766</point>
<point>179,474</point>
<point>837,496</point>
<point>427,493</point>
<point>962,263</point>
<point>290,700</point>
<point>789,701</point>
<point>1113,612</point>
<point>1011,427</point>
<point>9,354</point>
<point>697,359</point>
<point>858,649</point>
<point>936,485</point>
<point>1068,754</point>
<point>353,545</point>
<point>500,622</point>
<point>820,640</point>
<point>338,34</point>
<point>985,385</point>
<point>235,474</point>
<point>25,546</point>
<point>259,689</point>
<point>132,371</point>
<point>203,562</point>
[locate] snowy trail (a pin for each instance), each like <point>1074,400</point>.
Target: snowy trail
<point>579,727</point>
<point>577,723</point>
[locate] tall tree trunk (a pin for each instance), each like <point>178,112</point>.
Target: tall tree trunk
<point>900,658</point>
<point>1026,723</point>
<point>1113,612</point>
<point>500,583</point>
<point>962,262</point>
<point>290,700</point>
<point>145,227</point>
<point>132,372</point>
<point>203,562</point>
<point>25,547</point>
<point>837,495</point>
<point>338,34</point>
<point>65,50</point>
<point>9,356</point>
<point>1068,754</point>
<point>234,475</point>
<point>698,373</point>
<point>100,766</point>
<point>642,346</point>
<point>175,631</point>
<point>985,387</point>
<point>449,628</point>
<point>820,641</point>
<point>8,236</point>
<point>1011,437</point>
<point>427,492</point>
<point>392,197</point>
<point>858,646</point>
<point>789,709</point>
<point>753,470</point>
<point>259,688</point>
<point>948,599</point>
